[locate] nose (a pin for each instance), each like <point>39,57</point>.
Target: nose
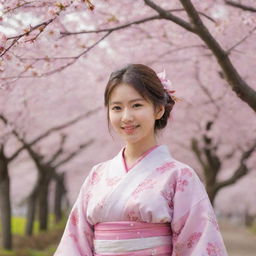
<point>127,115</point>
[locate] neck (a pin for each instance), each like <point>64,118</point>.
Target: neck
<point>135,150</point>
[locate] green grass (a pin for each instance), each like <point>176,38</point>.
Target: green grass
<point>6,253</point>
<point>42,243</point>
<point>29,252</point>
<point>47,252</point>
<point>18,225</point>
<point>253,228</point>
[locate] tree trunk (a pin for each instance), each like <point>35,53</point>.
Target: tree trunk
<point>249,219</point>
<point>5,203</point>
<point>211,191</point>
<point>31,211</point>
<point>43,191</point>
<point>43,203</point>
<point>59,193</point>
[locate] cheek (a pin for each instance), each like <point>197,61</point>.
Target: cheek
<point>113,119</point>
<point>147,116</point>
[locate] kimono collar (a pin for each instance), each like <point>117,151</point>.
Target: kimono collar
<point>161,149</point>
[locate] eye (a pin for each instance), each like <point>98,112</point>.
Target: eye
<point>137,105</point>
<point>116,108</point>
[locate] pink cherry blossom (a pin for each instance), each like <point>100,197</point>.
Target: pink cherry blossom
<point>3,40</point>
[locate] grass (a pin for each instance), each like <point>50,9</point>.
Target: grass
<point>253,228</point>
<point>29,252</point>
<point>42,243</point>
<point>19,223</point>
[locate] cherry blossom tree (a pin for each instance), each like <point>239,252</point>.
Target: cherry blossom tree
<point>211,163</point>
<point>191,19</point>
<point>46,169</point>
<point>56,57</point>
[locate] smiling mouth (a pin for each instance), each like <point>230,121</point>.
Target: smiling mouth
<point>130,129</point>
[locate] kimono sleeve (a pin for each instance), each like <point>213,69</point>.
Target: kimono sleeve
<point>77,239</point>
<point>194,226</point>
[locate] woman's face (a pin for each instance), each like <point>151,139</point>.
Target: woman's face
<point>131,116</point>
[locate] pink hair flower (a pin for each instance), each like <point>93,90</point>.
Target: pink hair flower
<point>167,84</point>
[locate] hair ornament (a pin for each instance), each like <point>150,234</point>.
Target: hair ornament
<point>167,84</point>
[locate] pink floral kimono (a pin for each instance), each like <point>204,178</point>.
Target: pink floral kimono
<point>157,207</point>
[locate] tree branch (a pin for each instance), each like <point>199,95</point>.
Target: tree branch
<point>40,26</point>
<point>59,69</point>
<point>240,171</point>
<point>241,41</point>
<point>37,157</point>
<point>169,16</point>
<point>155,17</point>
<point>196,150</point>
<point>59,151</point>
<point>205,89</point>
<point>48,132</point>
<point>240,6</point>
<point>239,86</point>
<point>76,57</point>
<point>73,154</point>
<point>21,5</point>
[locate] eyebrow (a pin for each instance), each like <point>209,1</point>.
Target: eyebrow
<point>118,102</point>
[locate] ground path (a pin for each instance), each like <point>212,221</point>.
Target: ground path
<point>238,240</point>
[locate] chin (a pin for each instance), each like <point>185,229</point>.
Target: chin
<point>134,141</point>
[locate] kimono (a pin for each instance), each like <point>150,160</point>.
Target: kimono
<point>156,190</point>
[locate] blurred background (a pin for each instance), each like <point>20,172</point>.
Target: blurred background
<point>55,60</point>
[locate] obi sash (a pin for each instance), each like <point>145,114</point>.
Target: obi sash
<point>132,238</point>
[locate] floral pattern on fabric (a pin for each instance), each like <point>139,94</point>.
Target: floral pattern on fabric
<point>165,167</point>
<point>181,184</point>
<point>87,197</point>
<point>133,215</point>
<point>102,202</point>
<point>213,249</point>
<point>183,181</point>
<point>193,239</point>
<point>169,197</point>
<point>112,181</point>
<point>178,226</point>
<point>145,185</point>
<point>95,178</point>
<point>74,237</point>
<point>74,217</point>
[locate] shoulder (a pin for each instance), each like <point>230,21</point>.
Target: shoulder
<point>182,169</point>
<point>186,172</point>
<point>101,166</point>
<point>176,168</point>
<point>181,175</point>
<point>94,174</point>
<point>105,164</point>
<point>187,183</point>
<point>98,168</point>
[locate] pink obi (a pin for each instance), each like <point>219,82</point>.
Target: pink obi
<point>132,238</point>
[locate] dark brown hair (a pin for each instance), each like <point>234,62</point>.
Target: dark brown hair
<point>146,82</point>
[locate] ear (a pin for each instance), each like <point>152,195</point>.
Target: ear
<point>159,111</point>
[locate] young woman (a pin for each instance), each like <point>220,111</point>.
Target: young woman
<point>143,201</point>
